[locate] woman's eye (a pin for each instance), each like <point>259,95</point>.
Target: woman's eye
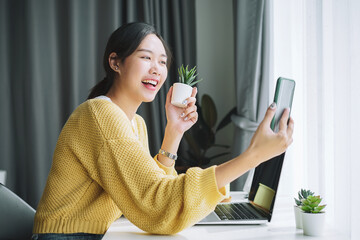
<point>145,57</point>
<point>163,62</point>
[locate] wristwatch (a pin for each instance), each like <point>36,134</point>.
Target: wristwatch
<point>167,154</point>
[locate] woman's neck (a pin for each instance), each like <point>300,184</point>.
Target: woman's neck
<point>128,105</point>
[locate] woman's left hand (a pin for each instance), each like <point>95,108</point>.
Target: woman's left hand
<point>181,119</point>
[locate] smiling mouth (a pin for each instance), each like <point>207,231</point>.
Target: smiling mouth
<point>150,82</point>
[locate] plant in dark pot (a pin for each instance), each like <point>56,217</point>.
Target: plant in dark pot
<point>202,136</point>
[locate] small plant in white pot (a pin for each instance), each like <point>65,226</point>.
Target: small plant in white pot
<point>302,194</point>
<point>313,218</point>
<point>183,89</point>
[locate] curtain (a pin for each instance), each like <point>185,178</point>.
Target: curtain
<point>51,56</point>
<point>323,56</point>
<point>252,54</point>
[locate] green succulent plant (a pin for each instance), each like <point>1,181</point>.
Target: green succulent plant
<point>187,76</point>
<point>311,204</point>
<point>303,194</point>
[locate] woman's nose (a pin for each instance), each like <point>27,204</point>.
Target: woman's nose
<point>154,69</point>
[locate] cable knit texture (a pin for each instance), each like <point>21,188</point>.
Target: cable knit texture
<point>101,170</point>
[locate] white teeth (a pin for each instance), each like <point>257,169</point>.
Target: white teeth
<point>152,82</point>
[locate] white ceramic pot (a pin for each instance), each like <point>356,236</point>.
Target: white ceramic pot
<point>313,223</point>
<point>180,93</point>
<point>298,217</point>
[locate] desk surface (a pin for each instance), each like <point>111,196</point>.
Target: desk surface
<point>282,226</point>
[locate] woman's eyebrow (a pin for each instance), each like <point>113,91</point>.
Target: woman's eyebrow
<point>149,51</point>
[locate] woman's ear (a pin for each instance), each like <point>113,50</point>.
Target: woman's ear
<point>114,62</point>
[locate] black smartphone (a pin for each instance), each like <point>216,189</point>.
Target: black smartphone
<point>284,94</point>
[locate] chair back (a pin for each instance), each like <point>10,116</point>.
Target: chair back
<point>16,216</point>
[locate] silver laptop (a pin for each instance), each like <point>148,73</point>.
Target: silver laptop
<point>258,206</point>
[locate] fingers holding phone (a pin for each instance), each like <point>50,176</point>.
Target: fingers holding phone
<point>274,134</point>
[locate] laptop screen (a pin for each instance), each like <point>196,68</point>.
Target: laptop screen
<point>265,184</point>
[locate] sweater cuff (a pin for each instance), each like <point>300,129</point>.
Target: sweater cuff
<point>224,191</point>
<point>168,170</point>
<point>218,194</point>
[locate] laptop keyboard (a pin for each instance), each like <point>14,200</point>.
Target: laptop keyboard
<point>234,211</point>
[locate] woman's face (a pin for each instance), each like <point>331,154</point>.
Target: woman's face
<point>144,72</point>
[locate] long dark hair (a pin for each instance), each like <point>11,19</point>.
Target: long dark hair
<point>124,41</point>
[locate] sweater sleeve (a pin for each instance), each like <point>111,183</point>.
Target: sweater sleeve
<point>149,198</point>
<point>168,170</point>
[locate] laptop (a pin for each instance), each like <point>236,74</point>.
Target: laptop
<point>257,207</point>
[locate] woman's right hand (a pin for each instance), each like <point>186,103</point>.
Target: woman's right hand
<point>265,143</point>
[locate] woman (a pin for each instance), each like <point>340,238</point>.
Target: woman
<point>102,167</point>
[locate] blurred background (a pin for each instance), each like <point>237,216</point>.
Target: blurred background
<point>51,56</point>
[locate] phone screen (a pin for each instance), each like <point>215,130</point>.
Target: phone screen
<point>283,98</point>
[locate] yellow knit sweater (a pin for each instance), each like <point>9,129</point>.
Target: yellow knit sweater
<point>101,170</point>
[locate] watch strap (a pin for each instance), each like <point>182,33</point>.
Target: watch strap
<point>167,154</point>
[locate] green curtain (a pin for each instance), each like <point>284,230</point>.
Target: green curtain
<point>252,71</point>
<point>51,56</point>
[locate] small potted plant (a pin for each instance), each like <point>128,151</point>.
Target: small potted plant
<point>183,89</point>
<point>313,218</point>
<point>302,194</point>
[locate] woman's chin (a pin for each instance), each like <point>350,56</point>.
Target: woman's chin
<point>149,98</point>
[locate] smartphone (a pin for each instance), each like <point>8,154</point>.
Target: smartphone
<point>283,98</point>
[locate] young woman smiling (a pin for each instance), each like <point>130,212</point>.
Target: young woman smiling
<point>102,167</point>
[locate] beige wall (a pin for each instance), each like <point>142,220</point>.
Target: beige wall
<point>215,59</point>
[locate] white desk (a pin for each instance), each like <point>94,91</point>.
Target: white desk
<point>282,226</point>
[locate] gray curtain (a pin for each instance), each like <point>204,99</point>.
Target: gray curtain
<point>252,41</point>
<point>51,56</point>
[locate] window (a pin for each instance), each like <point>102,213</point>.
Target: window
<point>316,43</point>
